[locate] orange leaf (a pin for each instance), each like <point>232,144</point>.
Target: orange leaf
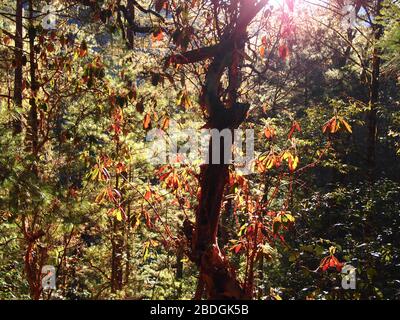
<point>146,121</point>
<point>346,125</point>
<point>334,125</point>
<point>158,36</point>
<point>165,124</point>
<point>147,195</point>
<point>269,132</point>
<point>262,51</point>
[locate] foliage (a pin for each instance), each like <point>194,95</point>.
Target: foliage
<point>77,190</point>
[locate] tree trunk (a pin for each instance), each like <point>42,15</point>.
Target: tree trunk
<point>374,94</point>
<point>34,259</point>
<point>215,272</point>
<point>220,281</point>
<point>33,115</point>
<point>116,260</point>
<point>35,255</point>
<point>17,125</point>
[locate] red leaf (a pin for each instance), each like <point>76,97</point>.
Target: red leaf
<point>165,175</point>
<point>237,248</point>
<point>264,41</point>
<point>147,195</point>
<point>160,4</point>
<point>295,127</point>
<point>283,51</point>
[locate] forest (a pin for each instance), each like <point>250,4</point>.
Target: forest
<point>200,150</point>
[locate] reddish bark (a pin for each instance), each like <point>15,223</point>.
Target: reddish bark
<point>219,279</point>
<point>34,260</point>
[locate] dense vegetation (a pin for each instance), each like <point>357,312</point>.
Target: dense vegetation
<point>84,83</point>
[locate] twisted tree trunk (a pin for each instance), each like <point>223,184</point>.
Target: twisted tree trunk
<point>218,277</point>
